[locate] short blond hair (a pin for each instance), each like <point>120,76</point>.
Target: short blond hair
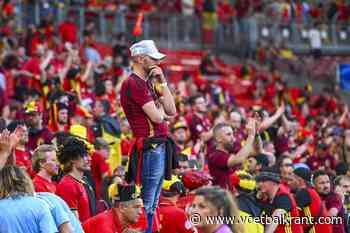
<point>39,155</point>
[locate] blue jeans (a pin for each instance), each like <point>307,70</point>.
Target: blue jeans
<point>153,165</point>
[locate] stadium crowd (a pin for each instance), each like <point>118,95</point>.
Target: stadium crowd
<point>246,143</point>
<point>282,10</point>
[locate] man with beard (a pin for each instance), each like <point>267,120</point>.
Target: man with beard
<point>46,165</point>
<point>279,203</point>
<point>73,188</point>
<point>38,134</point>
<point>332,200</point>
<point>179,132</point>
<point>257,163</point>
<point>221,161</point>
<point>148,104</point>
<point>309,202</point>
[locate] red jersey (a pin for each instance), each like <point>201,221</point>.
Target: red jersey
<point>10,83</point>
<point>284,200</point>
<point>33,66</point>
<point>43,185</point>
<point>185,202</point>
<point>311,205</point>
<point>106,222</point>
<point>99,167</point>
<point>68,32</point>
<point>134,94</point>
<point>198,125</point>
<point>218,168</point>
<point>72,191</point>
<point>333,200</point>
<point>173,219</point>
<point>23,159</point>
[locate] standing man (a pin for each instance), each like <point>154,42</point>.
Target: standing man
<point>72,188</point>
<point>147,103</point>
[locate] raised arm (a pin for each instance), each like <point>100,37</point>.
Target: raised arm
<point>247,149</point>
<point>87,72</point>
<point>268,122</point>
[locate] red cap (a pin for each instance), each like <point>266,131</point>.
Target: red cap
<point>195,179</point>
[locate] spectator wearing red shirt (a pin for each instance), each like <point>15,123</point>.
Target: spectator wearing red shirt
<point>46,165</point>
<point>147,108</point>
<point>75,160</point>
<point>68,31</point>
<point>99,166</point>
<point>281,202</point>
<point>199,124</point>
<point>222,161</point>
<point>23,156</point>
<point>127,208</point>
<point>309,202</point>
<point>332,200</point>
<point>173,219</point>
<point>225,11</point>
<point>38,133</point>
<point>321,159</point>
<point>7,9</point>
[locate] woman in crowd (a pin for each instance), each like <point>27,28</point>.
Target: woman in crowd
<point>214,201</point>
<point>20,210</point>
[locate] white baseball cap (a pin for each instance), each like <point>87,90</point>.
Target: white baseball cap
<point>146,47</point>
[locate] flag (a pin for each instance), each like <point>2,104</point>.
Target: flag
<point>137,31</point>
<point>343,74</point>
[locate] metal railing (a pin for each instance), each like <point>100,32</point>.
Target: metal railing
<point>180,31</point>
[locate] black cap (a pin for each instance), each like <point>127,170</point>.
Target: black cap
<point>126,193</point>
<point>262,159</point>
<point>303,173</point>
<point>268,174</point>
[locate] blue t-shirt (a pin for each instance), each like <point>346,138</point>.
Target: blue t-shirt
<point>25,214</point>
<point>93,55</point>
<point>60,211</point>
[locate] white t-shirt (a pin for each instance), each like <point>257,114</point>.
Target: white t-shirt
<point>315,38</point>
<point>187,7</point>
